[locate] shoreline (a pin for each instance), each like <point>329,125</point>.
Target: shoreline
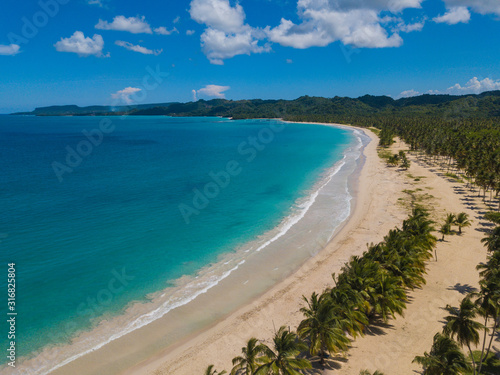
<point>79,362</point>
<point>196,352</point>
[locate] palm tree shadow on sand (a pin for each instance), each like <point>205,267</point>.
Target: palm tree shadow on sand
<point>331,363</point>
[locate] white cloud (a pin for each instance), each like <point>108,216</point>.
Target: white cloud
<point>218,14</point>
<point>177,19</point>
<point>289,61</point>
<point>164,31</point>
<point>219,46</point>
<point>125,94</point>
<point>478,6</point>
<point>96,2</point>
<point>9,50</point>
<point>137,48</point>
<point>212,91</point>
<point>357,23</point>
<point>190,32</point>
<point>357,27</point>
<point>408,28</point>
<point>226,34</point>
<point>475,86</point>
<point>134,25</point>
<point>360,23</point>
<point>83,46</point>
<point>409,94</point>
<point>454,15</point>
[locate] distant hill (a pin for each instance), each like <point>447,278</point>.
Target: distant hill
<point>305,108</point>
<point>74,110</point>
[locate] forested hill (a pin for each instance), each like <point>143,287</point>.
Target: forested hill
<point>341,109</point>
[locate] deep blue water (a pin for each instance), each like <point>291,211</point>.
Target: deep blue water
<point>118,212</point>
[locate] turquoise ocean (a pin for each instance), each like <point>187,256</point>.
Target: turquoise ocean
<point>101,213</point>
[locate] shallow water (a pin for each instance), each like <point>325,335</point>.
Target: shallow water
<point>113,232</point>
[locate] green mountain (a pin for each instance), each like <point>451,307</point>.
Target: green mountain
<point>305,108</point>
<point>74,110</point>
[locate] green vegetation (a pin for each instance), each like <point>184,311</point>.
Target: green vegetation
<point>211,371</point>
<point>462,324</point>
<point>494,217</point>
<point>369,289</point>
<point>367,110</point>
<point>445,357</point>
<point>283,357</point>
<point>454,177</point>
<point>460,220</point>
<point>386,137</point>
<point>491,364</point>
<point>469,146</point>
<point>252,356</point>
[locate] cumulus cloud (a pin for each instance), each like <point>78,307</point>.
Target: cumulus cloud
<point>134,25</point>
<point>409,94</point>
<point>83,46</point>
<point>125,95</point>
<point>190,32</point>
<point>137,48</point>
<point>162,30</point>
<point>227,34</point>
<point>212,91</point>
<point>478,6</point>
<point>218,14</point>
<point>219,46</point>
<point>9,50</point>
<point>454,15</point>
<point>475,86</point>
<point>357,23</point>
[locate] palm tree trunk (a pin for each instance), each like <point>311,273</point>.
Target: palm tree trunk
<point>472,357</point>
<point>484,344</point>
<point>495,327</point>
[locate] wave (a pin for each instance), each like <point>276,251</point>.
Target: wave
<point>208,278</point>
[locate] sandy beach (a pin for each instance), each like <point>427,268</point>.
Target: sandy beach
<point>383,194</point>
<point>382,198</point>
<point>375,212</point>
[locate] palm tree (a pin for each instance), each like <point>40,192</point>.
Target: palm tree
<point>322,327</point>
<point>494,217</point>
<point>405,164</point>
<point>462,221</point>
<point>387,297</point>
<point>450,219</point>
<point>488,304</point>
<point>350,306</point>
<point>419,227</point>
<point>250,359</point>
<point>211,371</point>
<point>491,270</point>
<point>366,372</point>
<point>445,230</point>
<point>461,323</point>
<point>282,358</point>
<point>445,358</point>
<point>492,241</point>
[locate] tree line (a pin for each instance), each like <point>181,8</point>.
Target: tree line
<point>370,288</point>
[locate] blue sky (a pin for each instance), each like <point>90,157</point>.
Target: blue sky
<point>112,52</point>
